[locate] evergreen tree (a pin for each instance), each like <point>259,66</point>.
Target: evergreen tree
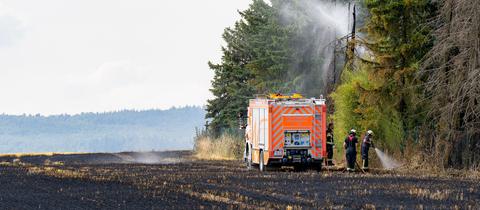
<point>386,90</point>
<point>254,61</point>
<point>400,40</point>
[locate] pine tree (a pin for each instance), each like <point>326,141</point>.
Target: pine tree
<point>254,61</point>
<point>387,88</point>
<point>400,40</point>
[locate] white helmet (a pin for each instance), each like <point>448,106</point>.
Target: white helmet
<point>353,131</point>
<point>369,132</point>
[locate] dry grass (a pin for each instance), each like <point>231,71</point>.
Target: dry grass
<point>38,154</point>
<point>14,162</point>
<point>431,194</point>
<point>226,147</point>
<point>422,165</point>
<point>56,172</point>
<point>473,173</point>
<point>48,162</point>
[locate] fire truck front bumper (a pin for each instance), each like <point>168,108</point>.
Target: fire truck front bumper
<point>296,157</point>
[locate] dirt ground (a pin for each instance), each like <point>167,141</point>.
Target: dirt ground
<point>173,180</point>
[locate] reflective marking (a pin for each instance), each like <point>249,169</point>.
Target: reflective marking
<point>278,139</point>
<point>298,115</point>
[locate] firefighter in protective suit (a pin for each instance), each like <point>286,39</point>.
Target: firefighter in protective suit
<point>330,145</point>
<point>350,146</point>
<point>366,144</point>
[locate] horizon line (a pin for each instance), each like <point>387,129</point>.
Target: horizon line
<point>103,112</point>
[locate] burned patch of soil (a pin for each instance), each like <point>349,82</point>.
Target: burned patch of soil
<point>174,180</point>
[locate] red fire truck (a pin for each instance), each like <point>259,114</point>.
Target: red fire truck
<point>285,130</point>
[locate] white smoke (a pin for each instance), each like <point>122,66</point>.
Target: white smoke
<point>318,25</point>
<point>148,158</point>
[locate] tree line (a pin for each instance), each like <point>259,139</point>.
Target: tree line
<point>126,130</point>
<point>408,70</point>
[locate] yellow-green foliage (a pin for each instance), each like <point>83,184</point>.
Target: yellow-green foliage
<point>359,105</point>
<point>346,98</point>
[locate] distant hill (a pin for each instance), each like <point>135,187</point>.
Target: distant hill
<point>101,132</point>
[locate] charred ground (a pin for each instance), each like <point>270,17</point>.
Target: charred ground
<point>159,180</point>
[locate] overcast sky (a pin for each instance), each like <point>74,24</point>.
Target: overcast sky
<point>72,56</point>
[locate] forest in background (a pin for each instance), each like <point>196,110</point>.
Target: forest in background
<point>126,130</point>
<point>408,70</point>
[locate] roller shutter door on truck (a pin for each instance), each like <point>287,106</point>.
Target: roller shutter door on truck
<point>260,127</point>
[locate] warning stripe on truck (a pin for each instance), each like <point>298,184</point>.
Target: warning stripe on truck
<point>297,110</point>
<point>277,112</point>
<point>318,132</point>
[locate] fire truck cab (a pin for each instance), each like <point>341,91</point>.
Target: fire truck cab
<point>285,130</point>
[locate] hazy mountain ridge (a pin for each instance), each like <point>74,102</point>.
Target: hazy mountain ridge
<point>101,132</point>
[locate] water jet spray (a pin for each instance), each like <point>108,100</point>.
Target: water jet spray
<point>387,161</point>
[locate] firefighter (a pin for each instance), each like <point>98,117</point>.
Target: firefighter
<point>350,146</point>
<point>330,144</point>
<point>367,142</point>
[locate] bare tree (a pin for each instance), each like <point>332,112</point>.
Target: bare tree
<point>452,69</point>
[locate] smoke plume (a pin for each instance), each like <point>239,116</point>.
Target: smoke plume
<point>316,25</point>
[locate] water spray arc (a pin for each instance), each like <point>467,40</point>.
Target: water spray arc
<point>387,161</point>
<point>318,27</point>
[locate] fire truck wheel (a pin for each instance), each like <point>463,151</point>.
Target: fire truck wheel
<point>248,160</point>
<point>261,165</point>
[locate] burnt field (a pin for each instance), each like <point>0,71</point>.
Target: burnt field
<point>160,180</point>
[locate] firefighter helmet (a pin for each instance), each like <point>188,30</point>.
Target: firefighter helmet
<point>370,132</point>
<point>353,131</point>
